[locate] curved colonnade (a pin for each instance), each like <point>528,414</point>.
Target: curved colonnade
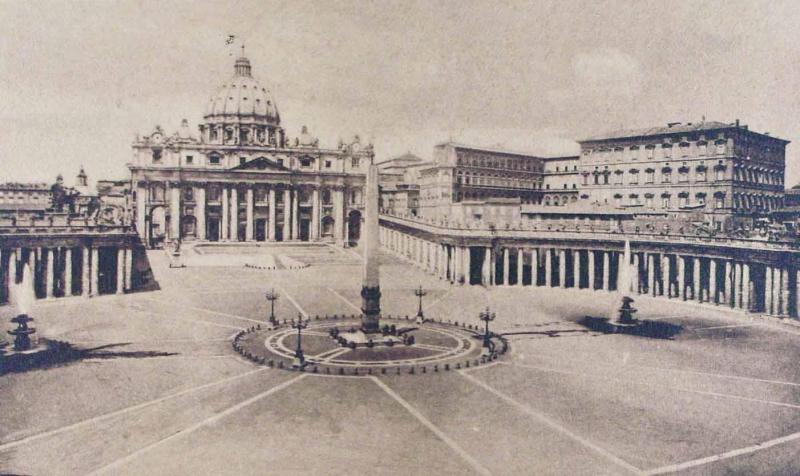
<point>753,276</point>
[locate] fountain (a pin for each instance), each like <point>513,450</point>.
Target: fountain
<point>23,296</point>
<point>621,313</point>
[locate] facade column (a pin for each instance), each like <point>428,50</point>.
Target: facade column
<point>697,285</point>
<point>576,269</point>
<point>12,270</point>
<point>95,265</point>
<point>120,270</point>
<point>249,228</point>
<point>456,276</point>
<point>200,212</point>
<point>746,287</point>
<point>68,272</point>
<point>681,276</point>
<point>548,267</point>
<point>465,253</point>
<point>666,271</point>
<point>768,290</point>
<point>141,212</point>
<point>712,280</point>
<point>271,218</point>
<point>485,279</point>
<point>50,281</point>
<point>338,215</point>
<point>506,273</point>
<point>225,212</point>
<point>175,211</point>
<point>287,215</point>
<point>520,265</point>
<point>590,267</point>
<point>562,268</point>
<point>606,270</point>
<point>651,274</point>
<point>315,214</point>
<point>492,267</point>
<point>637,276</point>
<point>535,267</point>
<point>85,266</point>
<point>234,215</point>
<point>295,215</point>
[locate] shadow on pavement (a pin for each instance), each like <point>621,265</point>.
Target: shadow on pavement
<point>643,328</point>
<point>55,353</point>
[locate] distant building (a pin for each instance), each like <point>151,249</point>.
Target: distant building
<point>719,172</point>
<point>24,198</point>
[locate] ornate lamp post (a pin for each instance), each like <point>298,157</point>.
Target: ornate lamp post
<point>419,292</point>
<point>272,296</point>
<point>487,316</point>
<point>299,359</point>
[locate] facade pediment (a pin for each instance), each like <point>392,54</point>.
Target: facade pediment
<point>263,164</point>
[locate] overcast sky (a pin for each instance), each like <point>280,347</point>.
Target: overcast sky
<point>79,79</point>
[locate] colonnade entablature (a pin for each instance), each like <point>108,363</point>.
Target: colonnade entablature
<point>753,277</point>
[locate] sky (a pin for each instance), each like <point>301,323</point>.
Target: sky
<point>79,79</point>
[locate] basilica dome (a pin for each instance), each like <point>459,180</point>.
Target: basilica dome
<point>244,97</point>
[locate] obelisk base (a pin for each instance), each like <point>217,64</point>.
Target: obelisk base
<point>371,309</point>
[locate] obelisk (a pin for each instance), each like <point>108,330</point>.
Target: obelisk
<point>370,286</point>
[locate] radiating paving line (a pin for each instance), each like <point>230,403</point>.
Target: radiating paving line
<point>347,301</point>
<point>291,300</point>
<point>677,389</point>
<point>196,426</point>
<point>731,326</point>
<point>668,369</point>
<point>122,411</point>
<point>552,424</point>
<point>722,456</point>
<point>436,431</point>
<point>209,311</point>
<point>174,317</point>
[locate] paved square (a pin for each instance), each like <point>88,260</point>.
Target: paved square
<point>160,390</point>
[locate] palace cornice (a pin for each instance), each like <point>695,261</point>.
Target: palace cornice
<point>232,148</point>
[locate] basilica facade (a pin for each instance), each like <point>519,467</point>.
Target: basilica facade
<point>242,179</point>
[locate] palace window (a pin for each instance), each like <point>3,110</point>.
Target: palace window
<point>156,156</point>
<point>667,149</point>
<point>634,152</point>
<point>213,159</point>
<point>261,194</point>
<point>648,200</point>
<point>683,199</point>
<point>354,162</point>
<point>701,148</point>
<point>684,149</point>
<point>701,198</point>
<point>701,173</point>
<point>664,201</point>
<point>650,151</point>
<point>634,176</point>
<point>618,200</point>
<point>327,164</point>
<point>683,174</point>
<point>720,146</point>
<point>649,175</point>
<point>188,194</point>
<point>618,177</point>
<point>242,160</point>
<point>305,161</point>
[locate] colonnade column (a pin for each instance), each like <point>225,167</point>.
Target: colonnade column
<point>120,270</point>
<point>728,282</point>
<point>697,284</point>
<point>50,281</point>
<point>225,214</point>
<point>666,275</point>
<point>606,270</point>
<point>576,269</point>
<point>465,253</point>
<point>95,271</point>
<point>651,274</point>
<point>681,277</point>
<point>200,212</point>
<point>784,291</point>
<point>746,287</point>
<point>68,272</point>
<point>712,280</point>
<point>248,231</point>
<point>562,268</point>
<point>271,225</point>
<point>590,267</point>
<point>535,267</point>
<point>315,214</point>
<point>85,283</point>
<point>128,269</point>
<point>175,212</point>
<point>620,263</point>
<point>520,265</point>
<point>637,278</point>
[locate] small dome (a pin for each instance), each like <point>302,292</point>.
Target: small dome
<point>243,96</point>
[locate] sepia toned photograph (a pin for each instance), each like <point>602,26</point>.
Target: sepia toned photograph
<point>399,237</point>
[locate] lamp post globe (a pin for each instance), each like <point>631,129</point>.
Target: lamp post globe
<point>487,316</point>
<point>272,296</point>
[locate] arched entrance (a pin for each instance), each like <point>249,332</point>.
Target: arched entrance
<point>327,227</point>
<point>188,227</point>
<point>155,224</point>
<point>354,227</point>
